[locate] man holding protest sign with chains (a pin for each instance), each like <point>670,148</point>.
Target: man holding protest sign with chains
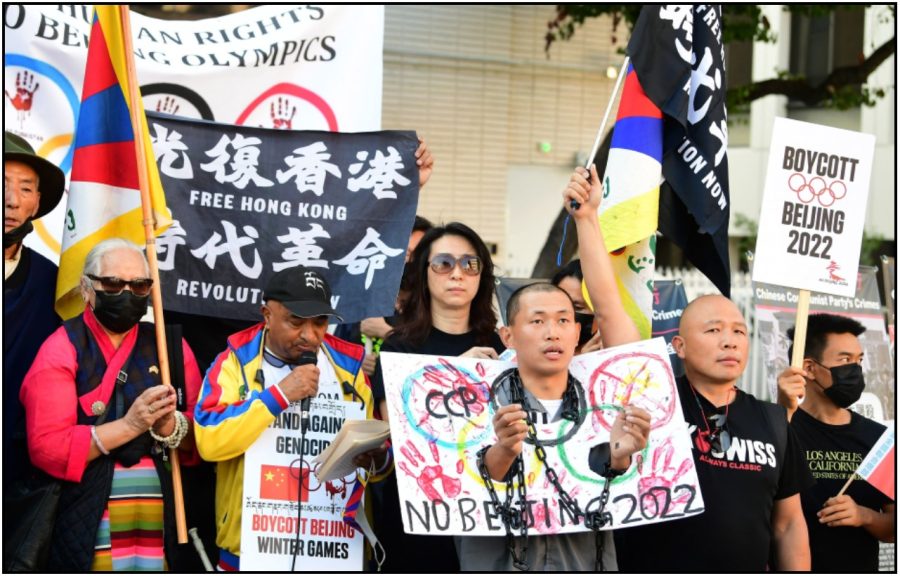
<point>543,331</point>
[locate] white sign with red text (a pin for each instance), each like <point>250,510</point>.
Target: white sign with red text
<point>274,468</point>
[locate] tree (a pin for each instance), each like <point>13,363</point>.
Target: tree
<point>843,87</point>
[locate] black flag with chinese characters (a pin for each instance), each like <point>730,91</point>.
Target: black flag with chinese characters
<point>248,202</point>
<point>677,52</point>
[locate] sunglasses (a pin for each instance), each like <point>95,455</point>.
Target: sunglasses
<point>445,263</point>
<point>114,286</point>
<point>719,437</point>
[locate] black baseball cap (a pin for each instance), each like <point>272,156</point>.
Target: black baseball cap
<point>303,291</point>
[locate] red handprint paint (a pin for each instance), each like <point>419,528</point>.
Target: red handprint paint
<point>429,475</point>
<point>470,394</point>
<point>282,113</point>
<point>335,489</point>
<point>664,474</point>
<point>24,97</point>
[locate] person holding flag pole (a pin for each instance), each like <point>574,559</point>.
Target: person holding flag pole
<point>748,464</point>
<point>101,412</point>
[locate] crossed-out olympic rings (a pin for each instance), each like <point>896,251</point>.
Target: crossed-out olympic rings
<point>816,188</point>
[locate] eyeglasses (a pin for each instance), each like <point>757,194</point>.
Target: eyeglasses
<point>719,438</point>
<point>445,263</point>
<point>114,286</point>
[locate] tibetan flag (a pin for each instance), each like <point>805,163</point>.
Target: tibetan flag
<point>353,503</point>
<point>282,483</point>
<point>628,211</point>
<point>878,467</point>
<point>104,198</point>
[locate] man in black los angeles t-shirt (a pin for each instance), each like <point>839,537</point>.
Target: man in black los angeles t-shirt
<point>748,463</point>
<point>843,530</point>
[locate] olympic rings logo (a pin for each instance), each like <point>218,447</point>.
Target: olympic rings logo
<point>816,189</point>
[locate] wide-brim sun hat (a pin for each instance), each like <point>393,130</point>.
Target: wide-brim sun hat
<point>51,180</point>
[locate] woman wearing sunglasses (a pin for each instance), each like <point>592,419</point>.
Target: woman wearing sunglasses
<point>449,313</point>
<point>99,419</point>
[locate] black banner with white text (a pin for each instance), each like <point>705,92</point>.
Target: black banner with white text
<point>249,202</point>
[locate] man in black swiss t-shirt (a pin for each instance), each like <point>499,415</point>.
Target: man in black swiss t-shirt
<point>843,530</point>
<point>748,464</point>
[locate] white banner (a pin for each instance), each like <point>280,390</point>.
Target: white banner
<point>441,412</point>
<point>273,469</point>
<point>300,67</point>
<point>814,207</point>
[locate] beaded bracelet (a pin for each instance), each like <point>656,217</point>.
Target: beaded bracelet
<point>97,442</point>
<point>174,439</point>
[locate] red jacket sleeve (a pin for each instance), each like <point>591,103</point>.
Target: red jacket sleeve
<point>56,443</point>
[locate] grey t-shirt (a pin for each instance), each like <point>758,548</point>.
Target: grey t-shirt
<point>571,552</point>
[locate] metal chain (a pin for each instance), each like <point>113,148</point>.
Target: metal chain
<point>517,518</point>
<point>512,517</point>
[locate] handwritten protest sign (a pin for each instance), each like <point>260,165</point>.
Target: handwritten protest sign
<point>441,411</point>
<point>814,207</point>
<point>279,66</point>
<point>273,469</point>
<point>249,202</point>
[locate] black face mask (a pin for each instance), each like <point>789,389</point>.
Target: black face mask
<point>847,384</point>
<point>121,312</point>
<point>16,235</point>
<point>587,322</point>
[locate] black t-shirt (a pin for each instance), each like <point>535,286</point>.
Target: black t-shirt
<point>833,453</point>
<point>739,489</point>
<point>437,343</point>
<point>413,553</point>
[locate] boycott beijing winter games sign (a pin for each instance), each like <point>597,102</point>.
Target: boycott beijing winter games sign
<point>249,202</point>
<point>814,207</point>
<point>274,467</point>
<point>441,415</point>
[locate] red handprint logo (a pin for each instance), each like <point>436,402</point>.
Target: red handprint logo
<point>167,105</point>
<point>282,113</point>
<point>24,98</point>
<point>663,474</point>
<point>430,475</point>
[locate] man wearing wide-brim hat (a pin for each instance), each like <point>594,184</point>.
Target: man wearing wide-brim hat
<point>32,187</point>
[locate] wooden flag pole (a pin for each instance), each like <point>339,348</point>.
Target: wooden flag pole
<point>847,483</point>
<point>134,96</point>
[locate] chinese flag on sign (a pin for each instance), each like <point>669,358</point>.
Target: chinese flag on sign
<point>281,483</point>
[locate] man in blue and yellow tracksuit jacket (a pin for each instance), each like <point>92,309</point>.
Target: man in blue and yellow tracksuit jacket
<point>235,407</point>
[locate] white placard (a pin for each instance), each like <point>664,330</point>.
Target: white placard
<point>441,411</point>
<point>814,207</point>
<point>273,467</point>
<point>288,66</point>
